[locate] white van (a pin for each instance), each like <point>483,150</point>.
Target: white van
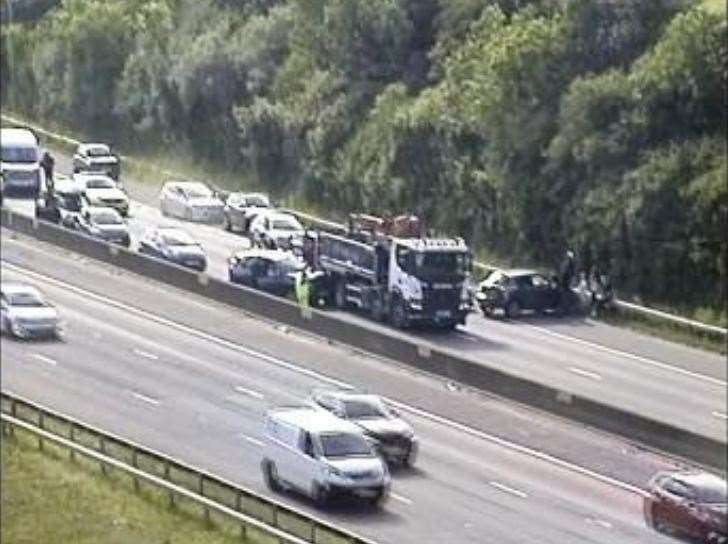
<point>321,456</point>
<point>21,155</point>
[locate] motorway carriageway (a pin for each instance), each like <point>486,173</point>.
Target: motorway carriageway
<point>668,382</point>
<point>136,369</point>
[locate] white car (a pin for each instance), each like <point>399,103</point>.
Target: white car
<point>190,200</point>
<point>321,456</point>
<point>275,230</point>
<point>241,209</point>
<point>25,314</point>
<point>101,190</point>
<point>96,157</point>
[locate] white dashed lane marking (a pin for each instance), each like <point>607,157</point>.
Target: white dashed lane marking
<point>400,498</point>
<point>145,398</point>
<point>44,359</point>
<point>252,440</point>
<point>510,490</point>
<point>249,392</point>
<point>145,354</point>
<point>585,373</point>
<point>720,415</point>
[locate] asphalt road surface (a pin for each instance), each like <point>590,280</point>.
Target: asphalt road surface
<point>132,364</point>
<point>669,382</point>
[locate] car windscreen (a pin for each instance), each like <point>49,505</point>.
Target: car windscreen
<point>197,191</point>
<point>714,493</point>
<point>257,201</point>
<point>97,151</point>
<point>25,300</point>
<point>100,183</point>
<point>106,218</point>
<point>438,263</point>
<point>177,238</point>
<point>361,409</point>
<point>283,223</point>
<point>19,154</point>
<point>344,445</point>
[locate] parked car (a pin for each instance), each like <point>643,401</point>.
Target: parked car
<point>515,290</point>
<point>102,223</point>
<point>20,157</point>
<point>101,190</point>
<point>190,200</point>
<point>390,435</point>
<point>97,158</point>
<point>688,504</point>
<point>270,270</point>
<point>321,456</point>
<point>275,230</point>
<point>24,313</point>
<point>175,245</point>
<point>242,208</point>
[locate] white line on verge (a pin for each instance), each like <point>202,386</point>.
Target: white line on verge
<point>510,490</point>
<point>45,359</point>
<point>249,392</point>
<point>251,439</point>
<point>602,523</point>
<point>400,498</point>
<point>639,358</point>
<point>145,354</point>
<point>332,381</point>
<point>585,373</point>
<point>145,398</point>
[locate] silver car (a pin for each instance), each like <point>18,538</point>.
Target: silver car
<point>190,200</point>
<point>389,434</point>
<point>25,314</point>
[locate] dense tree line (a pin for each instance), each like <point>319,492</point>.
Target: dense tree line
<point>525,125</point>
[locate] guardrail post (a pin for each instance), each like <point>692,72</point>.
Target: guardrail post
<point>102,448</point>
<point>166,470</point>
<point>135,464</point>
<point>73,439</point>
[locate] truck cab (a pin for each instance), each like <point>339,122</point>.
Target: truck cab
<point>20,165</point>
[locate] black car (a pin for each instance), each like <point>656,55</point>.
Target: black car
<point>103,223</point>
<point>515,290</point>
<point>270,270</point>
<point>175,245</point>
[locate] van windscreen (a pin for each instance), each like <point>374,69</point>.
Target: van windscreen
<point>19,154</point>
<point>344,445</point>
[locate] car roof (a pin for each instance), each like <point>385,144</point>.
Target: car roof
<point>91,174</point>
<point>19,136</point>
<point>516,272</point>
<point>313,420</point>
<point>101,209</point>
<point>16,288</point>
<point>272,254</point>
<point>249,195</point>
<point>187,184</point>
<point>273,214</point>
<point>87,145</point>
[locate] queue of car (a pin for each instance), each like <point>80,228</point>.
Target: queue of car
<point>174,245</point>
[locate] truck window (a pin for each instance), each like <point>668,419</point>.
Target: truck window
<point>19,154</point>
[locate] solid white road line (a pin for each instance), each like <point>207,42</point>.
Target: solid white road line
<point>249,392</point>
<point>510,490</point>
<point>600,522</point>
<point>585,373</point>
<point>400,498</point>
<point>252,440</point>
<point>145,354</point>
<point>720,415</point>
<point>332,381</point>
<point>145,398</point>
<point>639,358</point>
<point>43,358</point>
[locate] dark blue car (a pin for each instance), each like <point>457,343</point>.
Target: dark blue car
<point>270,270</point>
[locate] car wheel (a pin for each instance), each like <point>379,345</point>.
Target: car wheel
<point>270,473</point>
<point>375,501</point>
<point>513,309</point>
<point>658,524</point>
<point>226,223</point>
<point>319,494</point>
<point>163,208</point>
<point>188,214</point>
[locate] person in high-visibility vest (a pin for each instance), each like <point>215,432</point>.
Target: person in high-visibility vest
<point>303,288</point>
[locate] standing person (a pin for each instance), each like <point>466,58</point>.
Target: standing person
<point>597,290</point>
<point>568,270</point>
<point>48,163</point>
<point>303,288</point>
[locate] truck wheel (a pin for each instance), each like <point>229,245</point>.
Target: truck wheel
<point>398,314</point>
<point>377,307</point>
<point>513,309</point>
<point>270,473</point>
<point>227,225</point>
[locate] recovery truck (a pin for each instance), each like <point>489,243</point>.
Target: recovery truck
<point>390,270</point>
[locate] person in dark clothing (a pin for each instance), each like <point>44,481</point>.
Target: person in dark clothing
<point>48,163</point>
<point>568,270</point>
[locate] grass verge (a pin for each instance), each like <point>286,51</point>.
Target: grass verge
<point>48,498</point>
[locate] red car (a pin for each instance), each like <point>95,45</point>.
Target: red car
<point>690,505</point>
